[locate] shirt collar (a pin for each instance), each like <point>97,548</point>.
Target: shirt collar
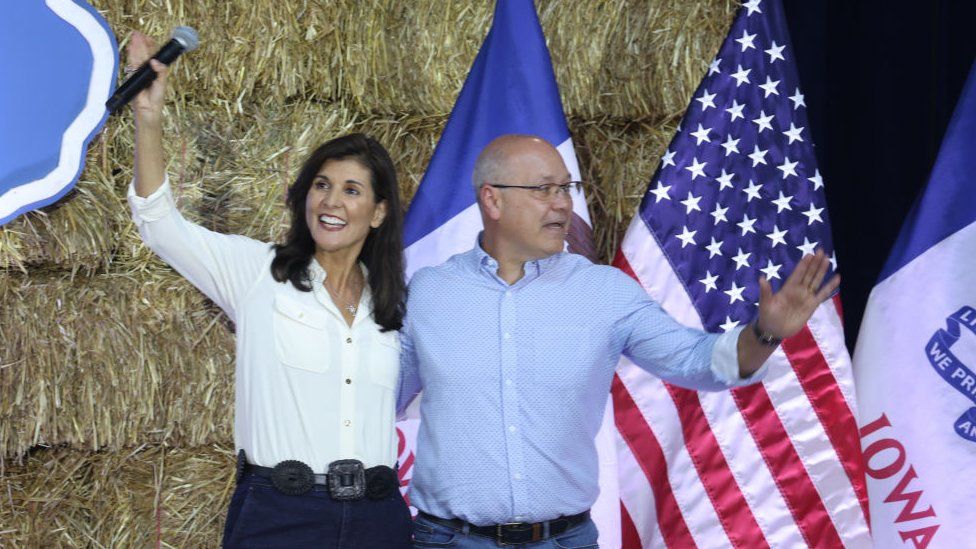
<point>534,268</point>
<point>317,276</point>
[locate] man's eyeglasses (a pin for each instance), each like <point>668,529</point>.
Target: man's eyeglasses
<point>546,191</point>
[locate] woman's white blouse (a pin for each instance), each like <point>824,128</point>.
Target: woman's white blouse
<point>308,386</point>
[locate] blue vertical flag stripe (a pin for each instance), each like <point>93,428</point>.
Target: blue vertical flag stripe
<point>738,194</point>
<point>949,201</point>
<point>511,89</point>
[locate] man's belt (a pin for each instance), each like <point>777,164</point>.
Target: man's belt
<point>513,533</point>
<point>346,479</point>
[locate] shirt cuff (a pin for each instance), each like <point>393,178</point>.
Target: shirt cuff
<point>725,360</point>
<point>154,207</point>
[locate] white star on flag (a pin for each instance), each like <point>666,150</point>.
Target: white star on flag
<point>730,145</point>
<point>752,191</point>
<point>758,157</point>
<point>813,214</point>
<point>771,271</point>
<point>777,236</point>
<point>797,99</point>
<point>735,293</point>
<point>775,52</point>
<point>782,202</point>
<point>764,122</point>
<point>714,249</point>
<point>702,134</point>
<point>709,281</point>
<point>719,214</point>
<point>706,100</point>
<point>746,40</point>
<point>793,133</point>
<point>770,87</point>
<point>724,180</point>
<point>686,237</point>
<point>741,76</point>
<point>746,224</point>
<point>788,168</point>
<point>697,168</point>
<point>729,324</point>
<point>661,192</point>
<point>816,180</point>
<point>807,248</point>
<point>668,159</point>
<point>735,111</point>
<point>691,203</point>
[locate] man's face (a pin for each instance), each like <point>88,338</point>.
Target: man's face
<point>534,226</point>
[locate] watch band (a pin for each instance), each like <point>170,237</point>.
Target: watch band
<point>765,338</point>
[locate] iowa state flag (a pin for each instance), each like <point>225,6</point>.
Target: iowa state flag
<point>915,360</point>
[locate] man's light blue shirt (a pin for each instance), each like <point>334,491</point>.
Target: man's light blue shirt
<point>515,380</point>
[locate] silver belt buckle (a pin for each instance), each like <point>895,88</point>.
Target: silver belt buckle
<point>498,533</point>
<point>347,479</point>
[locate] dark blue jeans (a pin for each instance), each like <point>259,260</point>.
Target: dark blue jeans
<point>261,516</point>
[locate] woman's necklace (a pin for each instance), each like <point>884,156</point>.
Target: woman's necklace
<point>348,306</point>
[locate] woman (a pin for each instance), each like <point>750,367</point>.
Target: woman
<point>317,347</point>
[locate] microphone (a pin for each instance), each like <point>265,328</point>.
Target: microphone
<point>184,39</point>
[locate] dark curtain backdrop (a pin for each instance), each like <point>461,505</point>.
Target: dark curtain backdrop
<point>881,79</point>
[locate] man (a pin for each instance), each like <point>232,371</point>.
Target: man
<point>514,344</point>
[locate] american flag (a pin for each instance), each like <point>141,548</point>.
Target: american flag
<point>737,195</point>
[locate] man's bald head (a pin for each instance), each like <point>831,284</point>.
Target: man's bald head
<point>528,221</point>
<point>496,161</point>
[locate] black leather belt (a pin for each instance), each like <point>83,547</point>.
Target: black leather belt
<point>346,479</point>
<point>516,532</point>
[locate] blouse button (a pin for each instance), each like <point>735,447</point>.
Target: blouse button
<point>348,381</point>
<point>347,423</point>
<point>348,340</point>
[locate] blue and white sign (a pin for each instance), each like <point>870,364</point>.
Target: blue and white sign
<point>58,65</point>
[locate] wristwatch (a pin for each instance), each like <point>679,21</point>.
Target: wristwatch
<point>765,338</point>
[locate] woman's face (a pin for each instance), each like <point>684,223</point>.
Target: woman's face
<point>341,207</point>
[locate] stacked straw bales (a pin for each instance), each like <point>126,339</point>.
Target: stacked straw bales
<point>116,376</point>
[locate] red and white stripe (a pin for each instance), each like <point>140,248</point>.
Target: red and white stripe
<point>777,464</point>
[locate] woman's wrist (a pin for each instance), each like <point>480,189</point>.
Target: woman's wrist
<point>148,119</point>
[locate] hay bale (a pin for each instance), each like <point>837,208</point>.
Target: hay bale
<point>229,172</point>
<point>624,59</point>
<point>273,78</point>
<point>617,162</point>
<point>248,50</point>
<point>135,497</point>
<point>110,361</point>
<point>632,60</point>
<point>77,233</point>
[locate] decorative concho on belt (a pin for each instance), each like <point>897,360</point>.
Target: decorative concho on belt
<point>292,478</point>
<point>381,482</point>
<point>241,465</point>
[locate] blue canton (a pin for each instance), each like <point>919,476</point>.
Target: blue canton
<point>738,193</point>
<point>515,380</point>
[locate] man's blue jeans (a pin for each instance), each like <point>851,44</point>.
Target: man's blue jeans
<point>427,535</point>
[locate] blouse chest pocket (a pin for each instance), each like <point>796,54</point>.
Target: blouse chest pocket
<point>384,366</point>
<point>300,335</point>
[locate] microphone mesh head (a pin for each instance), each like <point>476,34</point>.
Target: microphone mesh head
<point>186,36</point>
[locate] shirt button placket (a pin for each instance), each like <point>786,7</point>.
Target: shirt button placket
<point>510,399</point>
<point>347,398</point>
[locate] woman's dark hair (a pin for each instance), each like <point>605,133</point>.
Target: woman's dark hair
<point>383,251</point>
